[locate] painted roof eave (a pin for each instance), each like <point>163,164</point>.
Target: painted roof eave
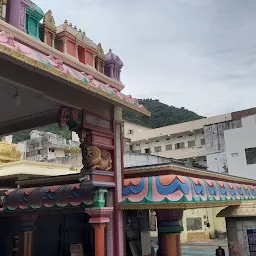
<point>175,169</point>
<point>183,192</point>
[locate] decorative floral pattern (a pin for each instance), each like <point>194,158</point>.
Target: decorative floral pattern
<point>176,189</point>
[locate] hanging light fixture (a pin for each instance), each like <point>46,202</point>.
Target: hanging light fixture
<point>17,98</point>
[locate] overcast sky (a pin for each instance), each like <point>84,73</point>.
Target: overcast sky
<point>197,54</point>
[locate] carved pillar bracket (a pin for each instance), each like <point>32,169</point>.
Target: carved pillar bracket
<point>99,218</point>
<point>169,229</point>
<point>99,197</point>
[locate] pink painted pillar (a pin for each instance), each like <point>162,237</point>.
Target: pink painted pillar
<point>99,219</point>
<point>17,16</point>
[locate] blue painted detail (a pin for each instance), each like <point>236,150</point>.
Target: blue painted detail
<point>185,253</point>
<point>199,189</point>
<point>39,57</point>
<point>188,252</point>
<point>134,189</point>
<point>232,192</point>
<point>247,192</point>
<point>85,80</point>
<point>173,187</point>
<point>223,191</point>
<point>212,190</point>
<point>240,192</point>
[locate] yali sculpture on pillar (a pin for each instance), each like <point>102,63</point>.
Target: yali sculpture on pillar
<point>95,135</point>
<point>98,159</point>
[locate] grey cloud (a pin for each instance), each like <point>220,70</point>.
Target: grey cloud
<point>199,54</point>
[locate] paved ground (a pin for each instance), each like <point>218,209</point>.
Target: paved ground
<point>203,248</point>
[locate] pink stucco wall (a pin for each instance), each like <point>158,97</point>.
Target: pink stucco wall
<point>71,48</point>
<point>89,58</point>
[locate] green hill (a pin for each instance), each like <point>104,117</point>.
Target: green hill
<point>162,115</point>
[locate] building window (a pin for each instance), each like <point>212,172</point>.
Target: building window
<point>168,147</point>
<point>147,150</point>
<point>180,145</point>
<point>158,149</point>
<point>38,152</point>
<point>202,141</point>
<point>137,151</point>
<point>51,150</point>
<point>250,155</point>
<point>191,134</point>
<point>131,147</point>
<point>130,131</point>
<point>194,224</point>
<point>191,143</point>
<point>157,140</point>
<point>179,136</point>
<point>168,138</point>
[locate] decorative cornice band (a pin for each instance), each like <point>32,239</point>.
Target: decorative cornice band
<point>184,206</point>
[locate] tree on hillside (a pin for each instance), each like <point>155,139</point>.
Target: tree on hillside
<point>162,114</point>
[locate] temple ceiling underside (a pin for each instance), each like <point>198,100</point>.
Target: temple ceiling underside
<point>21,53</point>
<point>183,192</point>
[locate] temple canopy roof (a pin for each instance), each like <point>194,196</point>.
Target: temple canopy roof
<point>41,62</point>
<point>170,189</point>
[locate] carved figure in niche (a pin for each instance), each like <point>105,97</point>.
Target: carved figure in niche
<point>98,160</point>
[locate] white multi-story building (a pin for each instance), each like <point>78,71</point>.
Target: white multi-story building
<point>224,143</point>
<point>235,147</point>
<point>179,141</point>
<point>45,146</point>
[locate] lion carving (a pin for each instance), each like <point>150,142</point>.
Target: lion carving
<point>98,160</point>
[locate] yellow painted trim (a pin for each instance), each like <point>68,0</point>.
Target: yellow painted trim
<point>184,206</point>
<point>37,164</point>
<point>43,67</point>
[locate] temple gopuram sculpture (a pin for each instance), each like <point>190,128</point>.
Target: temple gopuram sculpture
<point>48,29</point>
<point>8,152</point>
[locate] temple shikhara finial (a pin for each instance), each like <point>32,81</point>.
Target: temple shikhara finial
<point>113,65</point>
